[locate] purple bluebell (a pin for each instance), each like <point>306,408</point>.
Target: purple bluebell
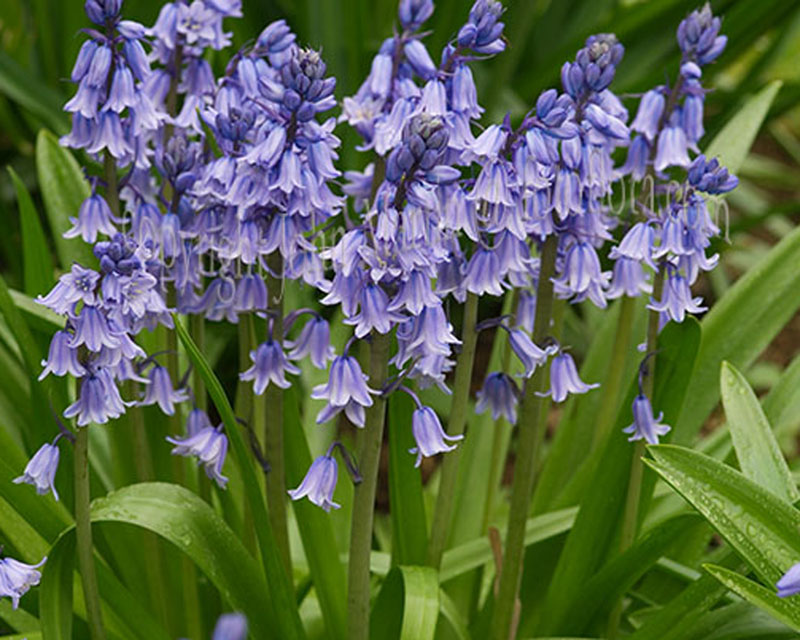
<point>789,584</point>
<point>209,446</point>
<point>527,351</point>
<point>628,279</point>
<point>710,177</point>
<point>594,67</point>
<point>79,285</point>
<point>62,359</point>
<point>644,425</point>
<point>92,329</point>
<point>196,422</point>
<point>17,577</point>
<point>41,470</point>
<point>483,32</point>
<point>319,483</point>
<point>564,379</point>
<point>98,401</point>
<point>430,437</point>
<point>413,13</point>
<point>676,298</point>
<point>314,341</point>
<point>346,389</point>
<point>160,391</point>
<point>500,394</point>
<point>269,365</point>
<point>582,276</point>
<point>482,274</point>
<point>374,313</point>
<point>94,216</point>
<point>672,145</point>
<point>230,626</point>
<point>648,117</point>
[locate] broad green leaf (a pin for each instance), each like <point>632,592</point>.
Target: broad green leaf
<point>407,510</point>
<point>316,529</point>
<point>739,326</point>
<point>282,597</point>
<point>37,316</point>
<point>36,258</point>
<point>20,86</point>
<point>451,615</point>
<point>63,190</point>
<point>787,610</point>
<point>759,455</point>
<point>56,591</point>
<point>19,619</point>
<point>603,590</point>
<point>407,607</point>
<point>733,142</point>
<point>762,528</point>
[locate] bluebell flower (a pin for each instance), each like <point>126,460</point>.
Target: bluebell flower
<point>93,330</point>
<point>196,422</point>
<point>710,177</point>
<point>526,350</point>
<point>582,276</point>
<point>430,437</point>
<point>98,401</point>
<point>483,273</point>
<point>500,394</point>
<point>648,117</point>
<point>314,341</point>
<point>269,365</point>
<point>564,378</point>
<point>413,13</point>
<point>160,391</point>
<point>79,285</point>
<point>698,36</point>
<point>672,145</point>
<point>644,425</point>
<point>346,390</point>
<point>628,279</point>
<point>319,483</point>
<point>94,216</point>
<point>41,470</point>
<point>374,313</point>
<point>676,299</point>
<point>209,446</point>
<point>17,577</point>
<point>483,32</point>
<point>62,359</point>
<point>230,626</point>
<point>789,584</point>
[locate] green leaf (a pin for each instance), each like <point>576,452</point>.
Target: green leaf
<point>739,326</point>
<point>758,525</point>
<point>55,594</point>
<point>63,190</point>
<point>282,597</point>
<point>316,529</point>
<point>407,607</point>
<point>734,140</point>
<point>37,316</point>
<point>757,450</point>
<point>36,258</point>
<point>787,610</point>
<point>407,509</point>
<point>450,613</point>
<point>20,86</point>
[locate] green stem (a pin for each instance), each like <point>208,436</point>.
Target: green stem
<point>364,495</point>
<point>630,520</point>
<point>612,384</point>
<point>531,433</point>
<point>273,423</point>
<point>83,534</point>
<point>197,328</point>
<point>443,513</point>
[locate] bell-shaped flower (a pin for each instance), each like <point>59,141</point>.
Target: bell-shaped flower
<point>789,584</point>
<point>17,577</point>
<point>319,483</point>
<point>526,350</point>
<point>209,446</point>
<point>431,438</point>
<point>99,400</point>
<point>564,379</point>
<point>645,426</point>
<point>159,391</point>
<point>62,359</point>
<point>500,394</point>
<point>230,626</point>
<point>269,365</point>
<point>314,341</point>
<point>346,389</point>
<point>41,470</point>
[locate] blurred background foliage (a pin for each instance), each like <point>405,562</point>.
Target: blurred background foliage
<point>40,38</point>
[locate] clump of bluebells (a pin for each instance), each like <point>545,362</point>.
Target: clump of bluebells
<point>210,195</point>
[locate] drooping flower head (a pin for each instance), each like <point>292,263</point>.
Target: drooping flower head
<point>17,577</point>
<point>41,470</point>
<point>319,483</point>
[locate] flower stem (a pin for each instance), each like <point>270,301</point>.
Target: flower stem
<point>83,533</point>
<point>531,432</point>
<point>630,520</point>
<point>443,513</point>
<point>364,495</point>
<point>273,424</point>
<point>612,384</point>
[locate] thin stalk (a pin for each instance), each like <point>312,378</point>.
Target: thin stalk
<point>630,520</point>
<point>612,384</point>
<point>83,535</point>
<point>273,423</point>
<point>531,433</point>
<point>197,329</point>
<point>364,495</point>
<point>443,513</point>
